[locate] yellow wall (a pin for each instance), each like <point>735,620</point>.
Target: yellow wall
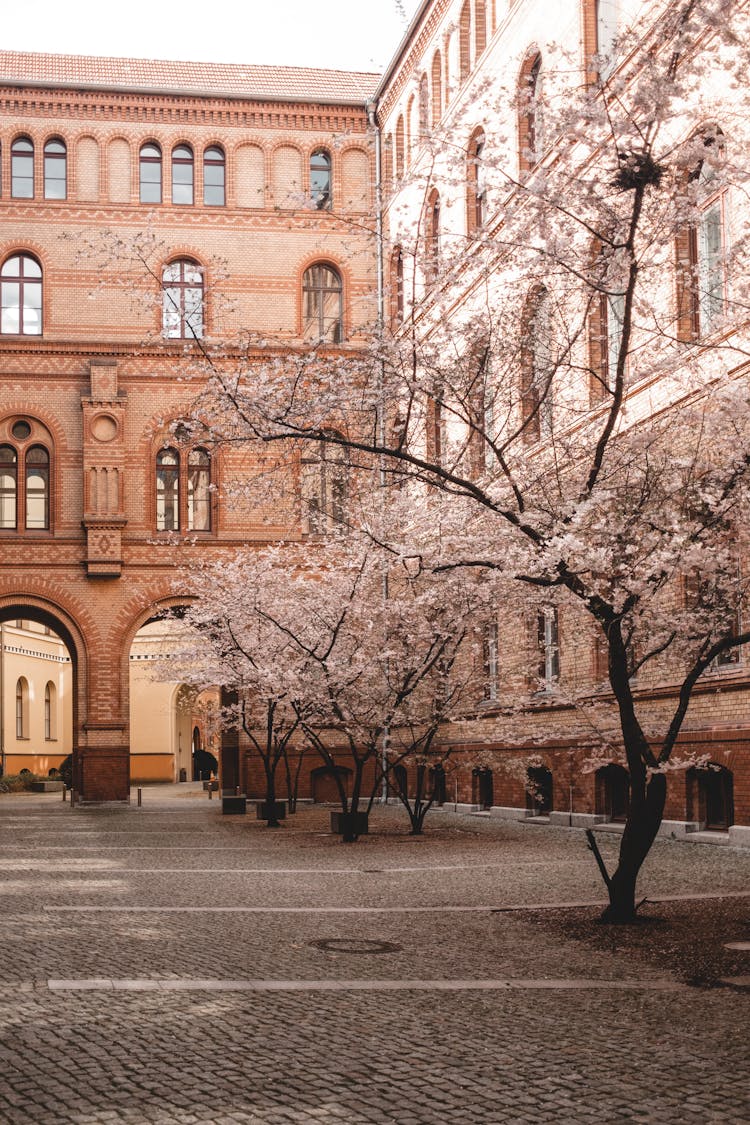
<point>39,657</point>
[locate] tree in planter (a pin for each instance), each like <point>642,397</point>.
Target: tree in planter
<point>230,642</point>
<point>564,399</point>
<point>380,655</point>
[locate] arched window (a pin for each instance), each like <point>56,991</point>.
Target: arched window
<point>168,490</point>
<point>607,16</point>
<point>529,112</point>
<point>432,235</point>
<point>397,287</point>
<point>182,174</point>
<point>50,712</point>
<point>537,367</point>
<point>437,88</point>
<point>183,490</point>
<point>22,168</point>
<point>482,787</point>
<point>22,708</point>
<point>198,491</point>
<point>182,309</point>
<point>464,42</point>
<point>411,130</point>
<point>476,183</point>
<point>21,296</point>
<point>322,299</point>
<point>320,179</point>
<point>214,177</point>
<point>424,107</point>
<point>325,489</point>
<point>150,173</point>
<point>55,169</point>
<point>491,660</point>
<point>37,488</point>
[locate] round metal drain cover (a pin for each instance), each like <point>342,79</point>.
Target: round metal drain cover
<point>357,946</point>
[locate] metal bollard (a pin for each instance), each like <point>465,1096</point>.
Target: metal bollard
<point>140,797</point>
<point>64,792</point>
<point>210,793</point>
<point>72,798</point>
<point>237,791</point>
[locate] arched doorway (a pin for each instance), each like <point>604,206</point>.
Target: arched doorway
<point>613,792</point>
<point>438,785</point>
<point>710,797</point>
<point>165,714</point>
<point>482,788</point>
<point>539,790</point>
<point>323,784</point>
<point>37,694</point>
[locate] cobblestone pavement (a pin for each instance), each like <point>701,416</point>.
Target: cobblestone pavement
<point>167,964</point>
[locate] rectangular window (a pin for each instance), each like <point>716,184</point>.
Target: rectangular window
<point>710,266</point>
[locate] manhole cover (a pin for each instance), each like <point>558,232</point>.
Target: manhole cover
<point>744,946</point>
<point>357,946</point>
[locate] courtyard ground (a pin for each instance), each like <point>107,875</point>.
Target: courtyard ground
<point>167,964</point>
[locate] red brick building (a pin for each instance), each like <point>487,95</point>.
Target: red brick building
<point>149,209</point>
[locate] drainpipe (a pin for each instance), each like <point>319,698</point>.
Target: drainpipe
<point>372,121</point>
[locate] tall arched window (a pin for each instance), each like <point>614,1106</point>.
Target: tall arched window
<point>21,296</point>
<point>182,310</point>
<point>437,88</point>
<point>214,177</point>
<point>22,168</point>
<point>320,179</point>
<point>150,173</point>
<point>529,112</point>
<point>198,491</point>
<point>701,247</point>
<point>50,712</point>
<point>55,169</point>
<point>605,323</point>
<point>168,490</point>
<point>182,174</point>
<point>325,489</point>
<point>432,235</point>
<point>37,488</point>
<point>399,162</point>
<point>464,42</point>
<point>537,367</point>
<point>322,300</point>
<point>22,707</point>
<point>8,487</point>
<point>424,107</point>
<point>476,195</point>
<point>397,287</point>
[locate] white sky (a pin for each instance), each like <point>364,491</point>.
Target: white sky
<point>278,32</point>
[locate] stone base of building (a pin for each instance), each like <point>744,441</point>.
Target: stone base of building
<point>739,835</point>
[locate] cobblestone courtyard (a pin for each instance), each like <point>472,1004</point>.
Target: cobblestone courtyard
<point>168,964</point>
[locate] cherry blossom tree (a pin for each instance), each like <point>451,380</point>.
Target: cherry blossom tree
<point>563,400</point>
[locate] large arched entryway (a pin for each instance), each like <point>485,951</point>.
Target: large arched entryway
<point>613,792</point>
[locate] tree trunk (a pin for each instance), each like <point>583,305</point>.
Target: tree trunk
<point>272,821</point>
<point>642,824</point>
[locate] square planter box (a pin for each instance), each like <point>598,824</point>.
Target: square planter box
<point>212,785</point>
<point>234,806</point>
<point>261,810</point>
<point>46,786</point>
<point>349,824</point>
